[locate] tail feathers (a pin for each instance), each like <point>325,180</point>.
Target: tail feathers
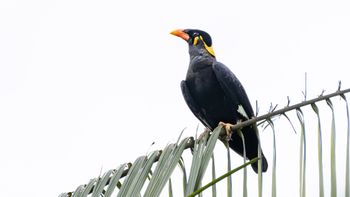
<point>264,165</point>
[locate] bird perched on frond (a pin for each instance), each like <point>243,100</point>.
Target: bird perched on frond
<point>214,94</point>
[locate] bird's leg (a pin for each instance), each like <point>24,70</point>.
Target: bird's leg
<point>227,127</point>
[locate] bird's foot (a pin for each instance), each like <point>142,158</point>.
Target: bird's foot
<point>227,127</point>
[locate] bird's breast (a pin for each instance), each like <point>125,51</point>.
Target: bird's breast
<point>203,83</point>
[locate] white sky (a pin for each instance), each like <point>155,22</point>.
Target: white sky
<point>86,85</point>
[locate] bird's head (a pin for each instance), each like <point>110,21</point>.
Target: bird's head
<point>196,38</point>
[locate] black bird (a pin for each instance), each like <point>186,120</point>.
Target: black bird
<point>214,94</point>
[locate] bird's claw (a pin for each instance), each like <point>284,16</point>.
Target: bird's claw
<point>227,127</point>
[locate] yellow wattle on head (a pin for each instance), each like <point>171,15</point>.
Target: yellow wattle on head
<point>208,48</point>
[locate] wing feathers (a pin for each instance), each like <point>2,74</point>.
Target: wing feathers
<point>193,105</point>
<point>233,89</point>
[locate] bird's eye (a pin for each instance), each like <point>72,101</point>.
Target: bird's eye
<point>195,38</point>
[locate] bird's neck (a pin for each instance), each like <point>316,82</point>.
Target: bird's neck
<point>199,62</point>
<point>198,51</point>
<point>199,59</point>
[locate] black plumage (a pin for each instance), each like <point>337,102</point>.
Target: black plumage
<point>214,94</point>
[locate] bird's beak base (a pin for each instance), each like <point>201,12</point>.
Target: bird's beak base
<point>180,33</point>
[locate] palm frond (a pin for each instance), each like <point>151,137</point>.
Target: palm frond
<point>148,175</point>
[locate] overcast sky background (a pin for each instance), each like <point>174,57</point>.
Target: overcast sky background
<point>83,80</point>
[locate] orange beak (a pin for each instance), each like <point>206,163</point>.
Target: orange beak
<point>180,33</point>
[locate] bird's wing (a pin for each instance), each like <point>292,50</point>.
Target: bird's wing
<point>193,105</point>
<point>233,89</point>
